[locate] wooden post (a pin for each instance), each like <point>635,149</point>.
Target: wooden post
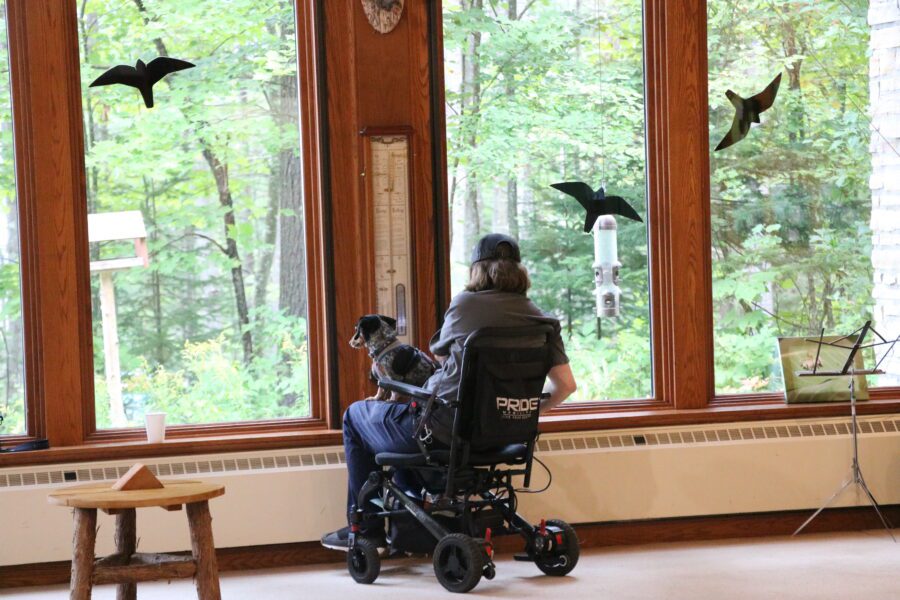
<point>126,544</point>
<point>204,551</point>
<point>83,553</point>
<point>111,349</point>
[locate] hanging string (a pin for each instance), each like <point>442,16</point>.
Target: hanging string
<point>600,78</point>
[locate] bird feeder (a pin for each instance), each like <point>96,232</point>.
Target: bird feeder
<point>115,227</point>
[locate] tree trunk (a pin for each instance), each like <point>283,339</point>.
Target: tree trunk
<point>512,186</point>
<point>267,254</point>
<point>284,221</point>
<point>156,289</point>
<point>291,233</point>
<point>220,174</point>
<point>451,207</point>
<point>470,108</point>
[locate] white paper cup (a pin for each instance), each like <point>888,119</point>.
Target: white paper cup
<point>156,427</point>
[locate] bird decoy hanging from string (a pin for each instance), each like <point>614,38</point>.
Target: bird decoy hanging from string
<point>142,76</point>
<point>596,203</point>
<point>747,111</point>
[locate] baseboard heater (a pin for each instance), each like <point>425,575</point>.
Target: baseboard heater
<point>285,496</point>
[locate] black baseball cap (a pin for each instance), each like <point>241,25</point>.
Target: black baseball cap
<point>488,247</point>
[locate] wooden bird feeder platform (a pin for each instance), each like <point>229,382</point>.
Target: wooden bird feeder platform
<point>115,227</point>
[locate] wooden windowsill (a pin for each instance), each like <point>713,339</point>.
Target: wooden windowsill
<point>720,411</point>
<point>177,446</point>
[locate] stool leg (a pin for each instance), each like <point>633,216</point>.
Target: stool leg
<point>83,553</point>
<point>204,551</point>
<point>126,543</point>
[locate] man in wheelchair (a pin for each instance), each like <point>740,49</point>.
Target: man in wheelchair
<point>440,467</point>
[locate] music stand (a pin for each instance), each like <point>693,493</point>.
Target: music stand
<point>856,476</point>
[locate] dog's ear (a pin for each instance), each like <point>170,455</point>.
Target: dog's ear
<point>368,325</point>
<point>389,321</point>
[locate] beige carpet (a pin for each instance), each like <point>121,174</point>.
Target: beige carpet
<point>851,566</point>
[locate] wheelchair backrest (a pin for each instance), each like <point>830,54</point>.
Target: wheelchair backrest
<point>503,375</point>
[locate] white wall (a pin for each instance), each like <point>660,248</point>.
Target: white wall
<point>274,506</point>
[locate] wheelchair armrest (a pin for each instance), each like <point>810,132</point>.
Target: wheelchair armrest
<point>406,389</point>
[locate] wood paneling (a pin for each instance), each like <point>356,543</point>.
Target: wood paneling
<point>376,80</point>
<point>591,535</point>
<point>353,286</point>
<point>425,224</point>
<point>440,202</point>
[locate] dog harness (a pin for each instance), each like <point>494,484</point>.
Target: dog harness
<point>379,352</point>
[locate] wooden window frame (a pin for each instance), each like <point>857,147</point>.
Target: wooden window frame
<point>53,230</point>
<point>56,296</point>
<point>677,163</point>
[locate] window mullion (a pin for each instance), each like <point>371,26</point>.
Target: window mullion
<point>678,146</point>
<point>56,296</point>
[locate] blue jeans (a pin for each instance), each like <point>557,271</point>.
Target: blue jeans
<point>370,427</point>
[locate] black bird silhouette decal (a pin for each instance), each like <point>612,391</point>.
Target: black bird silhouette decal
<point>596,203</point>
<point>142,76</point>
<point>747,110</point>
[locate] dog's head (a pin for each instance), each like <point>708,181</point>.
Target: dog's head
<point>374,330</point>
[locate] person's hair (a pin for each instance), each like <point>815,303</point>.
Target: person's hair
<point>502,274</point>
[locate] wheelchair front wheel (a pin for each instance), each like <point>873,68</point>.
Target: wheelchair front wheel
<point>459,561</point>
<point>363,561</point>
<point>556,563</point>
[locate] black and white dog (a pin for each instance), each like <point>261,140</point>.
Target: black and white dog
<point>391,358</point>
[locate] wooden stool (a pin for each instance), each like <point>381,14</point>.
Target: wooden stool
<point>126,567</point>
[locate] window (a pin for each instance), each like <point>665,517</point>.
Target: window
<point>12,389</point>
<point>606,92</point>
<point>792,203</point>
<point>546,92</point>
<point>196,213</point>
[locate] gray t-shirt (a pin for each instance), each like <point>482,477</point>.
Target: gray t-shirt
<point>470,311</point>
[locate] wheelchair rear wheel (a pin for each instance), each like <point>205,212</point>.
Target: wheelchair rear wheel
<point>559,563</point>
<point>459,561</point>
<point>363,561</point>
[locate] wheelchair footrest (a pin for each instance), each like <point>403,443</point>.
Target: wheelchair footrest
<point>522,557</point>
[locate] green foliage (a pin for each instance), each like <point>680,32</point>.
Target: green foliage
<point>206,168</point>
<point>559,97</point>
<point>790,203</point>
<point>209,386</point>
<point>558,94</point>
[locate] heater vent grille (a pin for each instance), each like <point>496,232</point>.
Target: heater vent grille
<point>110,472</point>
<point>716,435</point>
<point>330,457</point>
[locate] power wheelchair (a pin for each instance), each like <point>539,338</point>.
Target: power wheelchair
<point>469,493</point>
